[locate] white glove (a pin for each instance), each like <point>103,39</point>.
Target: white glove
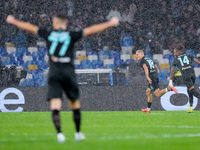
<point>170,83</point>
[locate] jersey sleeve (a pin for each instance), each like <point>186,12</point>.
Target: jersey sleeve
<point>142,63</point>
<point>44,33</point>
<point>174,63</point>
<point>191,57</point>
<point>76,35</point>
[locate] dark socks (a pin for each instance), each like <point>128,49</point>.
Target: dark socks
<point>56,120</point>
<point>195,93</point>
<point>149,105</point>
<point>77,119</point>
<point>190,99</point>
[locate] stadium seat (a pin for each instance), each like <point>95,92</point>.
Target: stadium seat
<point>198,55</point>
<point>162,76</point>
<point>127,50</point>
<point>10,49</point>
<point>103,55</point>
<point>43,51</point>
<point>190,52</point>
<point>167,56</point>
<point>80,53</point>
<point>167,52</point>
<point>163,82</point>
<point>108,61</point>
<point>32,49</point>
<point>78,66</point>
<point>114,55</point>
<point>92,57</point>
<point>195,65</point>
<point>46,58</point>
<point>149,56</point>
<point>125,57</point>
<point>91,52</point>
<point>97,66</point>
<point>37,56</point>
<point>165,70</point>
<point>32,67</point>
<point>133,57</point>
<point>129,61</point>
<point>157,56</point>
<point>164,66</point>
<point>197,72</point>
<point>42,65</point>
<point>27,58</point>
<point>119,62</point>
<point>77,62</point>
<point>86,64</point>
<point>109,66</point>
<point>38,79</point>
<point>81,57</point>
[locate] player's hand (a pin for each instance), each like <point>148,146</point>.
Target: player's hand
<point>149,80</point>
<point>114,21</point>
<point>10,19</point>
<point>170,83</point>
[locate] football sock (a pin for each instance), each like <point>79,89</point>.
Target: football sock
<point>77,119</point>
<point>195,93</point>
<point>149,105</point>
<point>56,120</point>
<point>166,89</point>
<point>190,99</point>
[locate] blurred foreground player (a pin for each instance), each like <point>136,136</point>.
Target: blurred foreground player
<point>151,74</point>
<point>184,63</point>
<point>60,43</point>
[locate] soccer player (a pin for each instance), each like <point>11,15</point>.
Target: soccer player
<point>184,63</point>
<point>150,69</point>
<point>60,43</point>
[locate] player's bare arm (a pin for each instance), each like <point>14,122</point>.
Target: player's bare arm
<point>22,25</point>
<point>147,73</point>
<point>171,76</point>
<point>156,67</point>
<point>196,61</point>
<point>101,27</point>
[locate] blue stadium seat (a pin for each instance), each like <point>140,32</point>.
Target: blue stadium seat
<point>43,51</point>
<point>78,66</point>
<point>126,40</point>
<point>119,62</point>
<point>97,62</point>
<point>102,52</point>
<point>97,66</point>
<point>129,61</point>
<point>162,76</point>
<point>87,66</point>
<point>164,82</point>
<point>114,55</point>
<point>190,52</point>
<point>7,63</point>
<point>195,65</point>
<point>42,65</point>
<point>168,56</point>
<point>39,79</point>
<point>109,66</point>
<point>37,56</point>
<point>149,56</point>
<point>91,52</point>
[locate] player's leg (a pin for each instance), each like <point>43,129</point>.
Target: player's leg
<point>55,95</point>
<point>72,92</point>
<point>191,102</point>
<point>149,100</point>
<point>75,106</point>
<point>158,93</point>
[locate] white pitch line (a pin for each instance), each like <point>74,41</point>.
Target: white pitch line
<point>148,136</point>
<point>145,126</point>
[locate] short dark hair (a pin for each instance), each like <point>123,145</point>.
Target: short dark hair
<point>180,47</point>
<point>62,17</point>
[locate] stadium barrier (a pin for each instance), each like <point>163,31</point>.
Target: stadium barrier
<point>95,98</point>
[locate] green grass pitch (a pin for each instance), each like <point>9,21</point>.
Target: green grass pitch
<point>117,130</point>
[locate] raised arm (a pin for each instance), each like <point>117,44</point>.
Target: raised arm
<point>22,25</point>
<point>147,73</point>
<point>196,61</point>
<point>101,27</point>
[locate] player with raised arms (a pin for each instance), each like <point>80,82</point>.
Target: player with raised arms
<point>184,63</point>
<point>150,69</point>
<point>60,43</point>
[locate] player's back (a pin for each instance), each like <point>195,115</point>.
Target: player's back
<point>184,63</point>
<point>150,64</point>
<point>60,44</point>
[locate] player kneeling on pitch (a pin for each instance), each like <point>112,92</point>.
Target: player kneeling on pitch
<point>150,69</point>
<point>184,63</point>
<point>60,43</point>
